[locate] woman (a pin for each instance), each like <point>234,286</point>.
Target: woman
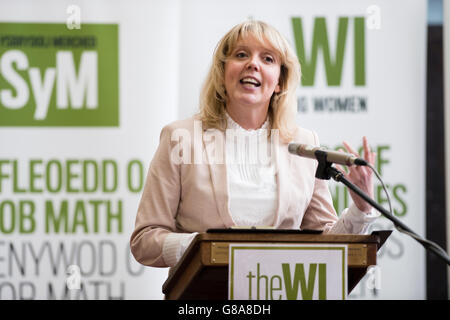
<point>248,102</point>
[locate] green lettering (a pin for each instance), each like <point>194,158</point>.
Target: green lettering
<point>16,187</point>
<point>93,173</point>
<point>110,216</point>
<point>273,288</point>
<point>80,217</point>
<point>322,281</point>
<point>34,175</point>
<point>404,208</point>
<point>133,186</point>
<point>258,279</point>
<point>381,195</point>
<point>299,277</point>
<point>4,205</point>
<point>320,41</point>
<point>112,165</point>
<point>381,161</point>
<point>27,214</point>
<point>359,52</point>
<point>56,219</point>
<point>48,176</point>
<point>3,175</point>
<point>71,176</point>
<point>96,204</point>
<point>250,277</point>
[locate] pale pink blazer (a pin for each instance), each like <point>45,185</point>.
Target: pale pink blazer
<point>194,197</point>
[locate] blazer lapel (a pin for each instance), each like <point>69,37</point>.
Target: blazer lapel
<point>214,144</point>
<point>282,166</point>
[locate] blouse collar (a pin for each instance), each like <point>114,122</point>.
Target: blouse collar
<point>231,124</point>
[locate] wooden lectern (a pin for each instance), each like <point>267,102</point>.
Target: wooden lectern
<point>202,272</point>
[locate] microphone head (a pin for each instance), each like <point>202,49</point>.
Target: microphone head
<point>292,147</point>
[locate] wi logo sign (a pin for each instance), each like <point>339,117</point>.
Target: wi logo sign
<point>333,57</point>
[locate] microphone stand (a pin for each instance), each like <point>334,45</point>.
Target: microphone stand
<point>325,171</point>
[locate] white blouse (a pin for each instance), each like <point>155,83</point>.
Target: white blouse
<point>252,186</point>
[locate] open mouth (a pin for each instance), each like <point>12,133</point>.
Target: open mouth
<point>250,81</point>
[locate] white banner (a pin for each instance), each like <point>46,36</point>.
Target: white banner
<point>363,74</point>
<point>71,178</point>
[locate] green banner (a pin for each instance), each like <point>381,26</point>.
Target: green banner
<point>51,76</point>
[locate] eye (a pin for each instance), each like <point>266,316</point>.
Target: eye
<point>269,59</point>
<point>241,54</point>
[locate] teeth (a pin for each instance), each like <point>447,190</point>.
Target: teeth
<point>250,81</point>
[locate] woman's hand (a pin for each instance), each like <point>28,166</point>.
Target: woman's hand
<point>361,176</point>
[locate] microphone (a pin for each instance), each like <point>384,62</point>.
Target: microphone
<point>307,151</point>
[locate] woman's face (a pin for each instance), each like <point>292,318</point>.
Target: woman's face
<point>252,72</point>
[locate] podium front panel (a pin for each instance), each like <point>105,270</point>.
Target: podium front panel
<point>202,272</point>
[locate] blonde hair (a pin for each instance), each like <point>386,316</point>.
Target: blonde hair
<point>283,105</point>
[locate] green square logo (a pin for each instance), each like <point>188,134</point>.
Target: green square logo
<point>51,76</point>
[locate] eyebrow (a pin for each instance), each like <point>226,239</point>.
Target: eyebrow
<point>271,52</point>
<point>247,47</point>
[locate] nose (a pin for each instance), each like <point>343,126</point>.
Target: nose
<point>253,64</point>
